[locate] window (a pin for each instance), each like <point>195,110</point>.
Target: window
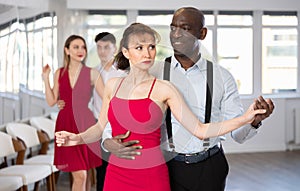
<point>9,65</point>
<point>41,48</point>
<point>207,43</point>
<point>235,47</point>
<point>279,52</point>
<point>23,49</point>
<point>28,44</point>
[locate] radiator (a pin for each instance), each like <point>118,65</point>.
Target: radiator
<point>297,125</point>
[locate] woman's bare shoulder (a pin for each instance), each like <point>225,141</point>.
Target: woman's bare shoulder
<point>58,70</point>
<point>113,81</point>
<point>165,88</point>
<point>164,83</point>
<point>111,85</point>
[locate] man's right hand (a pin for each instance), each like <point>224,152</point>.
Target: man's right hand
<point>125,150</point>
<point>60,104</point>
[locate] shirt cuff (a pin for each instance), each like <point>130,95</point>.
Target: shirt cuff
<point>257,126</point>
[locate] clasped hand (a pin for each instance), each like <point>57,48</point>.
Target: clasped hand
<point>261,103</point>
<point>64,138</point>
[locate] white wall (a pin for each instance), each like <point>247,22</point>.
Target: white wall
<point>22,9</point>
<point>271,136</point>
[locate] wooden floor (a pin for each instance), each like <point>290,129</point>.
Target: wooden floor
<point>268,171</point>
<point>276,171</point>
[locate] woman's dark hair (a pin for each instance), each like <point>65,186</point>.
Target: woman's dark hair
<point>133,29</point>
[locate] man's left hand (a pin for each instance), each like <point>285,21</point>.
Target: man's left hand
<point>261,103</point>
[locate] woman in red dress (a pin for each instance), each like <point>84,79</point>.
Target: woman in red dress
<point>73,83</point>
<point>137,103</point>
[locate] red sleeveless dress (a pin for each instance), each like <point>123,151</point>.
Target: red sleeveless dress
<point>148,172</point>
<point>76,117</point>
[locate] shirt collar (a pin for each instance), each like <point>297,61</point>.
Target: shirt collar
<point>200,64</point>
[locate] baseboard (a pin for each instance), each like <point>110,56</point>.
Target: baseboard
<point>248,149</point>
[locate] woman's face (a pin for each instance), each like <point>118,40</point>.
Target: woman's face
<point>76,50</point>
<point>141,50</point>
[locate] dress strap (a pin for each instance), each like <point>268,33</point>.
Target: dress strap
<point>151,87</point>
<point>119,86</point>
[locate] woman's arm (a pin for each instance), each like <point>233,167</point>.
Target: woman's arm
<point>51,93</point>
<point>184,115</point>
<point>93,133</point>
<point>97,81</point>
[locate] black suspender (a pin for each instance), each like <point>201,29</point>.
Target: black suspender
<point>209,94</point>
<point>167,69</point>
<point>168,112</point>
<point>209,91</point>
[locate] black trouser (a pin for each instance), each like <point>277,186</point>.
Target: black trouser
<point>101,170</point>
<point>207,175</point>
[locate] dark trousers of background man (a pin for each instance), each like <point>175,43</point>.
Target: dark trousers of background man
<point>207,175</point>
<point>101,170</point>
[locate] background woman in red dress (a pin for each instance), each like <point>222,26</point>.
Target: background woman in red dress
<point>73,83</point>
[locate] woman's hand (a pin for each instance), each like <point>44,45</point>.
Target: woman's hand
<point>46,72</point>
<point>64,138</point>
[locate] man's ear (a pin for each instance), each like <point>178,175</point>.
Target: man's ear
<point>203,33</point>
<point>116,49</point>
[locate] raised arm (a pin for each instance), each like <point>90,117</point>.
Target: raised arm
<point>51,93</point>
<point>184,115</point>
<point>97,81</point>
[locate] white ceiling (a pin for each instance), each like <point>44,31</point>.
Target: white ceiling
<point>4,8</point>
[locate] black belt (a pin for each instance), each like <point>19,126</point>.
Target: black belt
<point>197,157</point>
